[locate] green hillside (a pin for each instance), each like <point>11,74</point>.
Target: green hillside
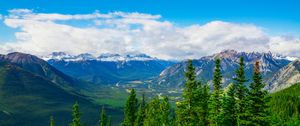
<point>29,100</point>
<point>285,106</point>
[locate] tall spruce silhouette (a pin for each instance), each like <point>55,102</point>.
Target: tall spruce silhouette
<point>131,108</point>
<point>241,92</point>
<point>216,98</point>
<point>257,109</point>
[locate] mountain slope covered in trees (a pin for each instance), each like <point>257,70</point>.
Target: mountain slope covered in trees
<point>31,91</point>
<point>285,106</point>
<point>30,99</point>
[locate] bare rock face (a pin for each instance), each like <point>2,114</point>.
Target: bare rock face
<point>31,63</point>
<point>285,77</point>
<point>22,58</point>
<point>38,67</point>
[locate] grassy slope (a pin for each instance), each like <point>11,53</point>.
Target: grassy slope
<point>285,106</point>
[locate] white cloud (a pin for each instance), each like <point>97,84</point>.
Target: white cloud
<point>120,32</point>
<point>20,11</point>
<point>286,45</point>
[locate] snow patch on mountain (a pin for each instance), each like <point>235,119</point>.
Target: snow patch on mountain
<point>103,57</point>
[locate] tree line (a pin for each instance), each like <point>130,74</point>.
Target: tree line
<point>235,105</point>
<point>201,104</point>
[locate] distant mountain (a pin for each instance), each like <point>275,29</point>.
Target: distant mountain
<point>103,57</point>
<point>270,63</point>
<point>108,68</point>
<point>285,77</point>
<point>31,91</point>
<point>40,67</point>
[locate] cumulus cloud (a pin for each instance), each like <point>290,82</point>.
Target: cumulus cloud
<point>120,32</point>
<point>286,45</point>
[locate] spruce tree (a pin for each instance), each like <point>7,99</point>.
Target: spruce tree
<point>141,112</point>
<point>165,108</point>
<point>257,110</point>
<point>158,112</point>
<point>152,112</point>
<point>241,93</point>
<point>204,102</point>
<point>103,118</point>
<point>188,109</point>
<point>51,121</point>
<point>130,111</point>
<point>202,96</point>
<point>216,98</point>
<point>229,117</point>
<point>76,116</point>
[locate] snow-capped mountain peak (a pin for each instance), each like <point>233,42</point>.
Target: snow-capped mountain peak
<point>234,55</point>
<point>126,57</point>
<point>68,57</point>
<point>110,57</point>
<point>103,57</point>
<point>58,56</point>
<point>85,56</point>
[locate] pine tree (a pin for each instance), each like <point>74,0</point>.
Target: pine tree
<point>51,121</point>
<point>165,108</point>
<point>76,116</point>
<point>152,112</point>
<point>229,117</point>
<point>130,109</point>
<point>103,118</point>
<point>216,99</point>
<point>141,112</point>
<point>158,112</point>
<point>202,96</point>
<point>241,93</point>
<point>257,110</point>
<point>188,109</point>
<point>204,101</point>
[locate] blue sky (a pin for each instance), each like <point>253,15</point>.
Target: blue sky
<point>279,15</point>
<point>274,17</point>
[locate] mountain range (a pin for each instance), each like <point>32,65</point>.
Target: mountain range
<point>31,91</point>
<point>108,68</point>
<point>34,89</point>
<point>116,68</point>
<point>270,64</point>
